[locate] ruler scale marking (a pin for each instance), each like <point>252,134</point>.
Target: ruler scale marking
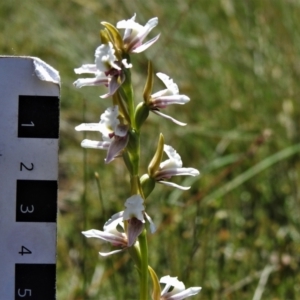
<point>29,132</point>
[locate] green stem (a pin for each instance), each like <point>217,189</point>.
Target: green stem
<point>126,92</point>
<point>132,157</point>
<point>144,265</point>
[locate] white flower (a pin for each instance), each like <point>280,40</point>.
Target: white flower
<point>173,167</point>
<point>111,234</point>
<point>107,70</point>
<point>166,97</point>
<point>135,34</point>
<point>135,213</point>
<point>134,208</point>
<point>105,58</point>
<point>178,292</point>
<point>114,135</point>
<point>99,79</point>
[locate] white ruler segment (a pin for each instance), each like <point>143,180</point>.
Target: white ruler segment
<point>29,127</point>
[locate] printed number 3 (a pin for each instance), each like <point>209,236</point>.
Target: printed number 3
<point>24,211</point>
<point>27,292</point>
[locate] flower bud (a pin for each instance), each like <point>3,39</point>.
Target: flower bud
<point>147,184</point>
<point>141,114</point>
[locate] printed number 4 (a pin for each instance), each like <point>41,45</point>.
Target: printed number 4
<point>24,250</point>
<point>27,292</point>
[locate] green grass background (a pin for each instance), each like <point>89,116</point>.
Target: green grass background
<point>239,62</point>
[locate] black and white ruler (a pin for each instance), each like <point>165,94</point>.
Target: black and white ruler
<point>29,131</point>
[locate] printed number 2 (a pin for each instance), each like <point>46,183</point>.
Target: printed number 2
<point>24,250</point>
<point>27,168</point>
<point>26,292</point>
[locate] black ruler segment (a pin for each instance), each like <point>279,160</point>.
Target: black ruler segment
<point>38,117</point>
<point>35,281</point>
<point>36,201</point>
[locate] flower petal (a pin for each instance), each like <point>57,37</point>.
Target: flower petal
<point>79,83</point>
<point>186,293</point>
<point>88,127</point>
<point>115,239</point>
<point>116,146</point>
<point>168,183</point>
<point>105,58</point>
<point>104,254</point>
<point>170,172</point>
<point>134,208</point>
<point>135,228</point>
<point>152,225</point>
<point>164,101</point>
<point>115,219</point>
<point>145,30</point>
<point>88,68</point>
<point>174,158</point>
<point>178,292</point>
<point>113,86</point>
<point>157,112</point>
<point>168,82</point>
<point>95,144</point>
<point>171,281</point>
<point>146,45</point>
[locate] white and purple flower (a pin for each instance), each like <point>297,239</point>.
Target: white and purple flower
<point>135,34</point>
<point>135,215</point>
<point>114,135</point>
<point>110,234</point>
<point>173,167</point>
<point>166,97</point>
<point>107,70</point>
<point>175,289</point>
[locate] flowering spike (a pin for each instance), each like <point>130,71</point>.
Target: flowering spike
<point>149,84</point>
<point>155,162</point>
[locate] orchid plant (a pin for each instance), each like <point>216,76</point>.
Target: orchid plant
<point>120,127</point>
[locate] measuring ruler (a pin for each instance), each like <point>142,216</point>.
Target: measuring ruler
<point>29,129</point>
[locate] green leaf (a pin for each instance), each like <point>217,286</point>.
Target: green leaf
<point>156,286</point>
<point>149,84</point>
<point>156,160</point>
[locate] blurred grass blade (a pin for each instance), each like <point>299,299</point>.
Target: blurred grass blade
<point>261,166</point>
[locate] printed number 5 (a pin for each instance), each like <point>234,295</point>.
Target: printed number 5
<point>27,209</point>
<point>24,294</point>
